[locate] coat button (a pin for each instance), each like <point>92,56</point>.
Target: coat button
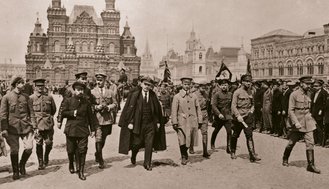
<point>188,101</point>
<point>189,108</point>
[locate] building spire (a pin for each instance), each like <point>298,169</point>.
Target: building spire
<point>110,4</point>
<point>56,4</point>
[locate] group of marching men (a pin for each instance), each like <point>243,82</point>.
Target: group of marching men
<point>148,108</point>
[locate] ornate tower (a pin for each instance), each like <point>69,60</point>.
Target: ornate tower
<point>127,42</point>
<point>56,29</point>
<point>110,5</point>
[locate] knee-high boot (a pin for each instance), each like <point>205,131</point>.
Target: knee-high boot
<point>25,156</point>
<point>71,162</point>
<point>286,155</point>
<point>233,147</point>
<point>96,154</point>
<point>14,164</point>
<point>204,145</point>
<point>77,159</point>
<point>99,151</point>
<point>251,149</point>
<point>82,158</point>
<point>310,160</point>
<point>39,149</point>
<point>184,154</point>
<point>213,138</point>
<point>47,152</point>
<point>228,143</point>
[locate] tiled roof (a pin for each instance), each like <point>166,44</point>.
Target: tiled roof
<point>280,32</point>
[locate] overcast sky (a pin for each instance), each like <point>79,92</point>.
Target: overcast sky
<point>218,23</point>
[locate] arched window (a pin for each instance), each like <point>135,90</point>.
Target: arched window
<point>200,56</point>
<point>77,46</point>
<point>270,69</point>
<point>84,46</point>
<point>200,69</point>
<point>310,66</point>
<point>128,49</point>
<point>320,66</point>
<point>299,67</point>
<point>281,69</point>
<point>290,69</point>
<point>57,46</point>
<point>112,48</point>
<point>92,46</point>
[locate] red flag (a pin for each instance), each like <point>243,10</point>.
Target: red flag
<point>166,74</point>
<point>224,72</point>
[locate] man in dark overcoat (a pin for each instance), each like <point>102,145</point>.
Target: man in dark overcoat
<point>141,124</point>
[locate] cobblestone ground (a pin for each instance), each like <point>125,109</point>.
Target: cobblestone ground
<point>217,172</point>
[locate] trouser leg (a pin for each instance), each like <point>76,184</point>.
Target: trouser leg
<point>28,145</point>
<point>39,150</point>
<point>82,144</point>
<point>14,164</point>
<point>148,141</point>
<point>250,144</point>
<point>237,128</point>
<point>71,147</point>
<point>217,127</point>
<point>228,129</point>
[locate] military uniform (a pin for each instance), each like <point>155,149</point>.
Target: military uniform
<point>221,104</point>
<point>18,119</point>
<point>44,108</point>
<point>105,105</point>
<point>204,128</point>
<point>302,124</point>
<point>242,108</point>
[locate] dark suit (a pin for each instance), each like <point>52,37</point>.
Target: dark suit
<point>326,120</point>
<point>285,106</point>
<point>144,132</point>
<point>318,106</point>
<point>276,112</point>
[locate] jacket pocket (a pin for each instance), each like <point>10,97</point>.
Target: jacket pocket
<point>37,106</point>
<point>12,108</point>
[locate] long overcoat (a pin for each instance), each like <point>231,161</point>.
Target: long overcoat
<point>186,112</point>
<point>132,113</point>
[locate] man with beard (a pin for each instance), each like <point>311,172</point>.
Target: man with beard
<point>221,106</point>
<point>242,108</point>
<point>202,96</point>
<point>302,123</point>
<point>18,121</point>
<point>80,124</point>
<point>141,124</point>
<point>186,117</point>
<point>44,108</point>
<point>81,77</point>
<point>105,104</point>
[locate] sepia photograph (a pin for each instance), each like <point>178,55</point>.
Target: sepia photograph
<point>179,94</point>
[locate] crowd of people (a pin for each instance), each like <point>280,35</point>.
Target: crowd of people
<point>292,110</point>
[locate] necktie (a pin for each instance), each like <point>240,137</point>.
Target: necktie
<point>145,97</point>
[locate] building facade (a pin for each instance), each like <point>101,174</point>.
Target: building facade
<point>82,41</point>
<point>147,67</point>
<point>9,69</point>
<point>202,64</point>
<point>286,55</point>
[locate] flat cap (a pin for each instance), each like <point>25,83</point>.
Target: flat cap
<point>186,79</point>
<point>306,79</point>
<point>78,84</point>
<point>15,80</point>
<point>319,81</point>
<point>147,79</point>
<point>223,81</point>
<point>291,83</point>
<point>81,74</point>
<point>39,82</point>
<point>246,77</point>
<point>100,75</point>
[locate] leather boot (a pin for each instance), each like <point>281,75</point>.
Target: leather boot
<point>82,158</point>
<point>133,156</point>
<point>71,162</point>
<point>77,159</point>
<point>286,155</point>
<point>213,139</point>
<point>100,155</point>
<point>183,151</point>
<point>251,149</point>
<point>39,149</point>
<point>310,160</point>
<point>47,152</point>
<point>233,147</point>
<point>96,154</point>
<point>25,156</point>
<point>14,164</point>
<point>228,144</point>
<point>204,145</point>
